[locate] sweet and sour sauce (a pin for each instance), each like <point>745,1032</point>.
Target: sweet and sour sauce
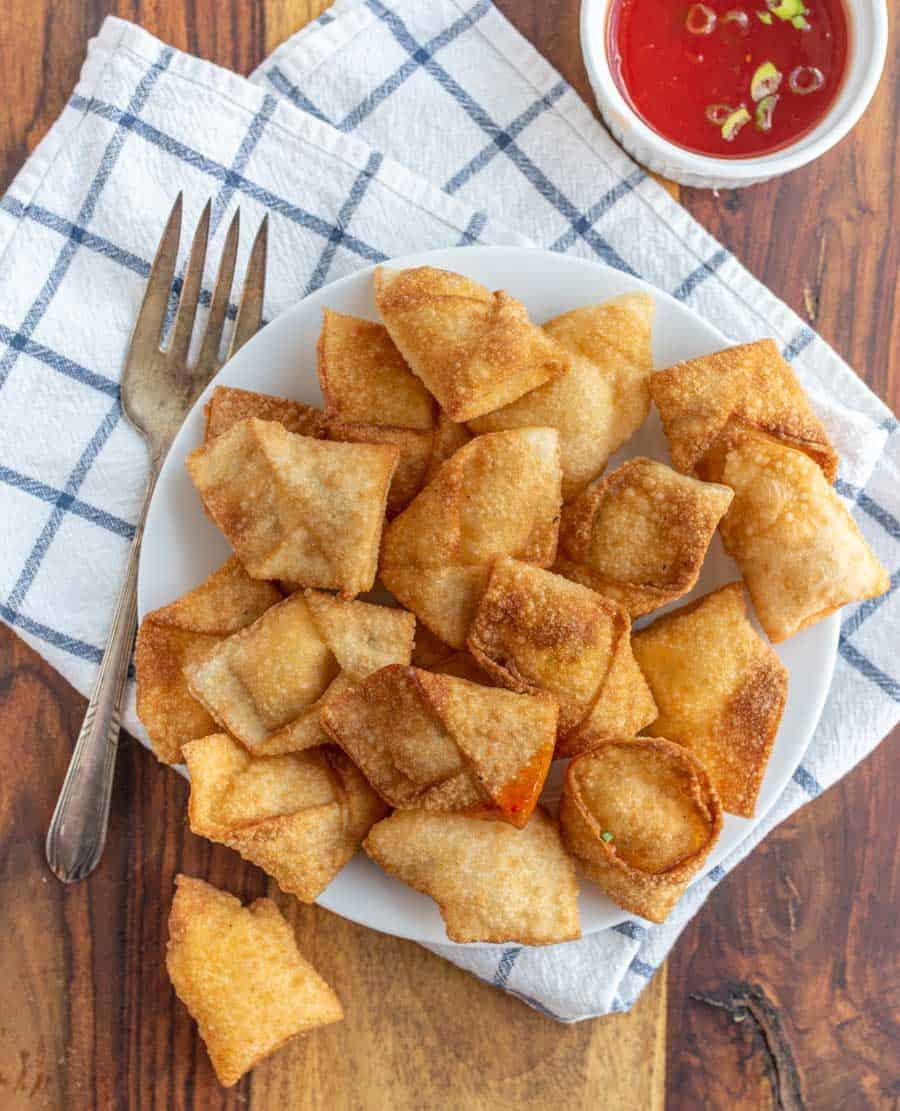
<point>728,78</point>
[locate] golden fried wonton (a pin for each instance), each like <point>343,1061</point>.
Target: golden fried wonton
<point>720,690</point>
<point>267,684</point>
<point>413,464</point>
<point>300,816</point>
<point>640,816</point>
<point>364,378</point>
<point>181,634</point>
<point>799,550</point>
<point>373,397</point>
<point>602,399</point>
<point>241,976</point>
<point>433,655</point>
<point>534,630</point>
<point>228,405</point>
<point>295,508</point>
<point>436,742</point>
<point>640,534</point>
<point>704,402</point>
<point>498,495</point>
<point>474,350</point>
<point>492,883</point>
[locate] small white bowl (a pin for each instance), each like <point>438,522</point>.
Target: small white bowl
<point>868,35</point>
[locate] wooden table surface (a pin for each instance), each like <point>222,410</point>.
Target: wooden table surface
<point>785,989</point>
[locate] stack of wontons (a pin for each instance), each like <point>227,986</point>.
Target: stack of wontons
<point>460,458</point>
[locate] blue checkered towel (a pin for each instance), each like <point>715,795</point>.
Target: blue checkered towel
<point>383,128</point>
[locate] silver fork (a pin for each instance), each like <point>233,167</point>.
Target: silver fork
<point>158,389</point>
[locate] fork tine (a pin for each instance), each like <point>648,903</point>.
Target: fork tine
<point>151,317</point>
<point>250,310</point>
<point>208,359</point>
<point>190,291</point>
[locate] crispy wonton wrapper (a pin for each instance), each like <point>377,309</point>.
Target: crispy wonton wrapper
<point>492,883</point>
<point>266,684</point>
<point>228,405</point>
<point>640,816</point>
<point>602,399</point>
<point>498,495</point>
<point>295,508</point>
<point>534,630</point>
<point>799,550</point>
<point>421,453</point>
<point>241,976</point>
<point>373,397</point>
<point>413,463</point>
<point>300,816</point>
<point>182,634</point>
<point>640,534</point>
<point>474,350</point>
<point>433,655</point>
<point>720,690</point>
<point>437,742</point>
<point>705,402</point>
<point>364,378</point>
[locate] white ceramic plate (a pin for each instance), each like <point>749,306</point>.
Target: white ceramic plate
<point>181,547</point>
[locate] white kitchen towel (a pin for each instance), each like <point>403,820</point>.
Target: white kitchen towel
<point>381,129</point>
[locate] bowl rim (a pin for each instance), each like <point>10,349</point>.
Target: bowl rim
<point>868,31</point>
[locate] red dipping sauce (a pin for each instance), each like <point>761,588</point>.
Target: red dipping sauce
<point>693,86</point>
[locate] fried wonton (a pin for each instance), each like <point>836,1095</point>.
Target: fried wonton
<point>433,655</point>
<point>266,684</point>
<point>799,550</point>
<point>300,816</point>
<point>602,399</point>
<point>640,534</point>
<point>181,635</point>
<point>228,405</point>
<point>640,816</point>
<point>534,630</point>
<point>373,397</point>
<point>720,690</point>
<point>492,883</point>
<point>365,379</point>
<point>436,742</point>
<point>705,402</point>
<point>295,508</point>
<point>416,450</point>
<point>241,976</point>
<point>449,437</point>
<point>474,350</point>
<point>498,495</point>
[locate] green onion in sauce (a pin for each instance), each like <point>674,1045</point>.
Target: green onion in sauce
<point>765,80</point>
<point>765,110</point>
<point>734,123</point>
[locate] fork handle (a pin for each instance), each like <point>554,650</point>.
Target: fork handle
<point>77,830</point>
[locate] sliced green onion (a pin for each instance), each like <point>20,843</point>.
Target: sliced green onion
<point>765,110</point>
<point>736,15</point>
<point>765,17</point>
<point>765,80</point>
<point>606,836</point>
<point>718,113</point>
<point>801,23</point>
<point>700,20</point>
<point>805,80</point>
<point>734,123</point>
<point>786,9</point>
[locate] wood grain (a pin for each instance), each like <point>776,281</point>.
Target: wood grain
<point>807,923</point>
